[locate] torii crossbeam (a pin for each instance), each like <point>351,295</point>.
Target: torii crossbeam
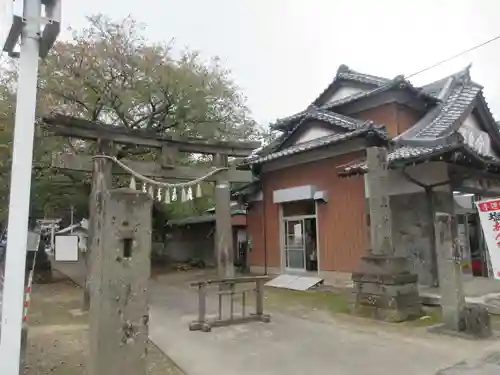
<point>108,136</point>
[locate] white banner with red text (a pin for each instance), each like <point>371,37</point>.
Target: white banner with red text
<point>489,215</point>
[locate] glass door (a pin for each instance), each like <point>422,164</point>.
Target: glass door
<point>295,251</point>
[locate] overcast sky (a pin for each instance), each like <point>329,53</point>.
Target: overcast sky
<point>283,53</point>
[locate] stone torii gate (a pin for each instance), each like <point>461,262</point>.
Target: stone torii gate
<point>107,137</point>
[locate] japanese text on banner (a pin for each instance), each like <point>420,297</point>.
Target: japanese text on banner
<point>489,215</point>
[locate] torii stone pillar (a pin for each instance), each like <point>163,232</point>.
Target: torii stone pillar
<point>101,182</point>
<point>384,288</point>
<point>120,273</point>
<point>223,225</point>
<point>450,270</point>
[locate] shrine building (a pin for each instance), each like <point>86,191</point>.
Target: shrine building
<point>308,213</point>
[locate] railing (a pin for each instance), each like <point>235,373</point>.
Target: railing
<point>228,287</point>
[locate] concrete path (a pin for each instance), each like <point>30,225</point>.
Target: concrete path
<point>487,365</point>
<point>293,346</point>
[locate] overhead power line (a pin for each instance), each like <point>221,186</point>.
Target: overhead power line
<point>454,56</point>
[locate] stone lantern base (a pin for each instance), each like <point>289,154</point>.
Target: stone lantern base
<point>385,289</point>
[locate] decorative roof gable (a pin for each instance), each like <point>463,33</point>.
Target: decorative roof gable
<point>458,96</point>
<point>349,86</point>
<point>351,80</point>
<point>328,140</point>
<point>461,123</point>
<point>337,122</point>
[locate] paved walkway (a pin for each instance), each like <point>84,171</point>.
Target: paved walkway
<point>294,346</point>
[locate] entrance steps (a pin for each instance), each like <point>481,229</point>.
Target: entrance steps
<point>294,282</point>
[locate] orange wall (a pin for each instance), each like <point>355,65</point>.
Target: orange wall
<point>341,221</point>
<point>396,117</point>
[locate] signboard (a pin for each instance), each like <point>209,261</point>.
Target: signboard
<point>463,239</point>
<point>489,215</point>
<point>66,248</point>
<point>33,241</point>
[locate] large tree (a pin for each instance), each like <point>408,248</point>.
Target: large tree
<point>109,72</point>
<point>51,192</point>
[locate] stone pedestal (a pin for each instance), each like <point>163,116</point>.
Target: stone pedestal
<point>385,289</point>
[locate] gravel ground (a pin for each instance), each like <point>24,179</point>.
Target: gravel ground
<point>58,334</point>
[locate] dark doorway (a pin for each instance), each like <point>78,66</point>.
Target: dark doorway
<point>311,245</point>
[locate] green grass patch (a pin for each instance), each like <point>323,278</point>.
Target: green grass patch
<point>431,316</point>
<point>283,299</point>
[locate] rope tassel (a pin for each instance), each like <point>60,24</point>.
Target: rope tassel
<point>189,194</point>
<point>174,195</point>
<point>167,196</point>
<point>158,195</point>
<point>198,191</point>
<point>183,195</point>
<point>133,185</point>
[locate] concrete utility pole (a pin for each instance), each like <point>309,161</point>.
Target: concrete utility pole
<point>20,184</point>
<point>120,274</point>
<point>34,43</point>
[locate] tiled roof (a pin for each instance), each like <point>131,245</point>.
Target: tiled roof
<point>441,120</point>
<point>401,154</point>
<point>411,154</point>
<point>200,219</point>
<point>316,143</point>
<point>344,72</point>
<point>437,132</point>
<point>399,81</point>
<point>377,84</point>
<point>288,119</point>
<point>315,113</point>
<point>333,118</point>
<point>322,114</point>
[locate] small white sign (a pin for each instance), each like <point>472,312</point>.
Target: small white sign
<point>66,248</point>
<point>33,241</point>
<point>489,215</point>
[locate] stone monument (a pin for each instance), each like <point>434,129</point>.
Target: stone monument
<point>384,287</point>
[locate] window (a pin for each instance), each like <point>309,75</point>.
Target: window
<point>299,208</point>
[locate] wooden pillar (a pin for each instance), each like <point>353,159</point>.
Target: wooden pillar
<point>120,274</point>
<point>380,214</point>
<point>224,234</point>
<point>101,182</point>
